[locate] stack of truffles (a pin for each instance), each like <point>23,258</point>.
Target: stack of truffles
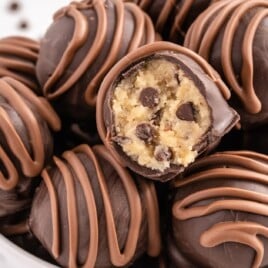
<point>134,135</point>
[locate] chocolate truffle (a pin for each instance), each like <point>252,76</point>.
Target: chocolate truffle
<point>26,143</point>
<point>220,212</point>
<point>160,107</point>
<point>18,56</point>
<point>172,18</point>
<point>94,35</point>
<point>97,215</point>
<point>16,200</point>
<point>233,37</point>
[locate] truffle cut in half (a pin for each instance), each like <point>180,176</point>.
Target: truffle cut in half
<point>161,107</point>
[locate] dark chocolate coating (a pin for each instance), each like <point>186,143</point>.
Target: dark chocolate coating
<point>256,140</point>
<point>26,144</point>
<point>223,117</point>
<point>16,200</point>
<point>22,131</point>
<point>232,141</point>
<point>230,213</point>
<point>94,36</point>
<point>236,48</point>
<point>97,167</point>
<point>172,18</point>
<point>145,261</point>
<point>72,135</point>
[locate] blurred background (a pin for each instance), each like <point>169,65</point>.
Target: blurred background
<point>29,18</point>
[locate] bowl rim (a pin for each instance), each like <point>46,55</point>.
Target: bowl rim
<point>12,255</point>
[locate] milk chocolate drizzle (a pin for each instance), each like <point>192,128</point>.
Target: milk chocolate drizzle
<point>18,97</point>
<point>182,7</point>
<point>227,15</point>
<point>143,33</point>
<point>18,56</point>
<point>244,165</point>
<point>118,258</point>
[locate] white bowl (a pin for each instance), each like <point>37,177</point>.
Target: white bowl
<point>12,256</point>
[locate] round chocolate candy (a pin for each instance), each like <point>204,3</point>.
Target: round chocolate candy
<point>13,202</point>
<point>97,215</point>
<point>220,213</point>
<point>18,56</point>
<point>26,143</point>
<point>172,18</point>
<point>233,36</point>
<point>94,35</point>
<point>160,107</point>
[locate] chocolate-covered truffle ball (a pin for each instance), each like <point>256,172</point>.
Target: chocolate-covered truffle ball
<point>26,143</point>
<point>172,18</point>
<point>233,37</point>
<point>96,214</point>
<point>160,107</point>
<point>85,40</point>
<point>16,200</point>
<point>18,56</point>
<point>220,213</point>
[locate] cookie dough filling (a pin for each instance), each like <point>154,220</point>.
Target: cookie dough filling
<point>160,115</point>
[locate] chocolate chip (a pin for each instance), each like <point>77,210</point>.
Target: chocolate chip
<point>14,6</point>
<point>162,153</point>
<point>145,132</point>
<point>149,97</point>
<point>177,77</point>
<point>186,112</point>
<point>23,25</point>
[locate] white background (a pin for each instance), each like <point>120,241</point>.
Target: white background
<point>37,13</point>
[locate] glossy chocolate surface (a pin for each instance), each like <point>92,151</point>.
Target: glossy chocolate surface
<point>232,36</point>
<point>219,212</point>
<point>94,36</point>
<point>72,135</point>
<point>26,143</point>
<point>13,202</point>
<point>172,18</point>
<point>109,219</point>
